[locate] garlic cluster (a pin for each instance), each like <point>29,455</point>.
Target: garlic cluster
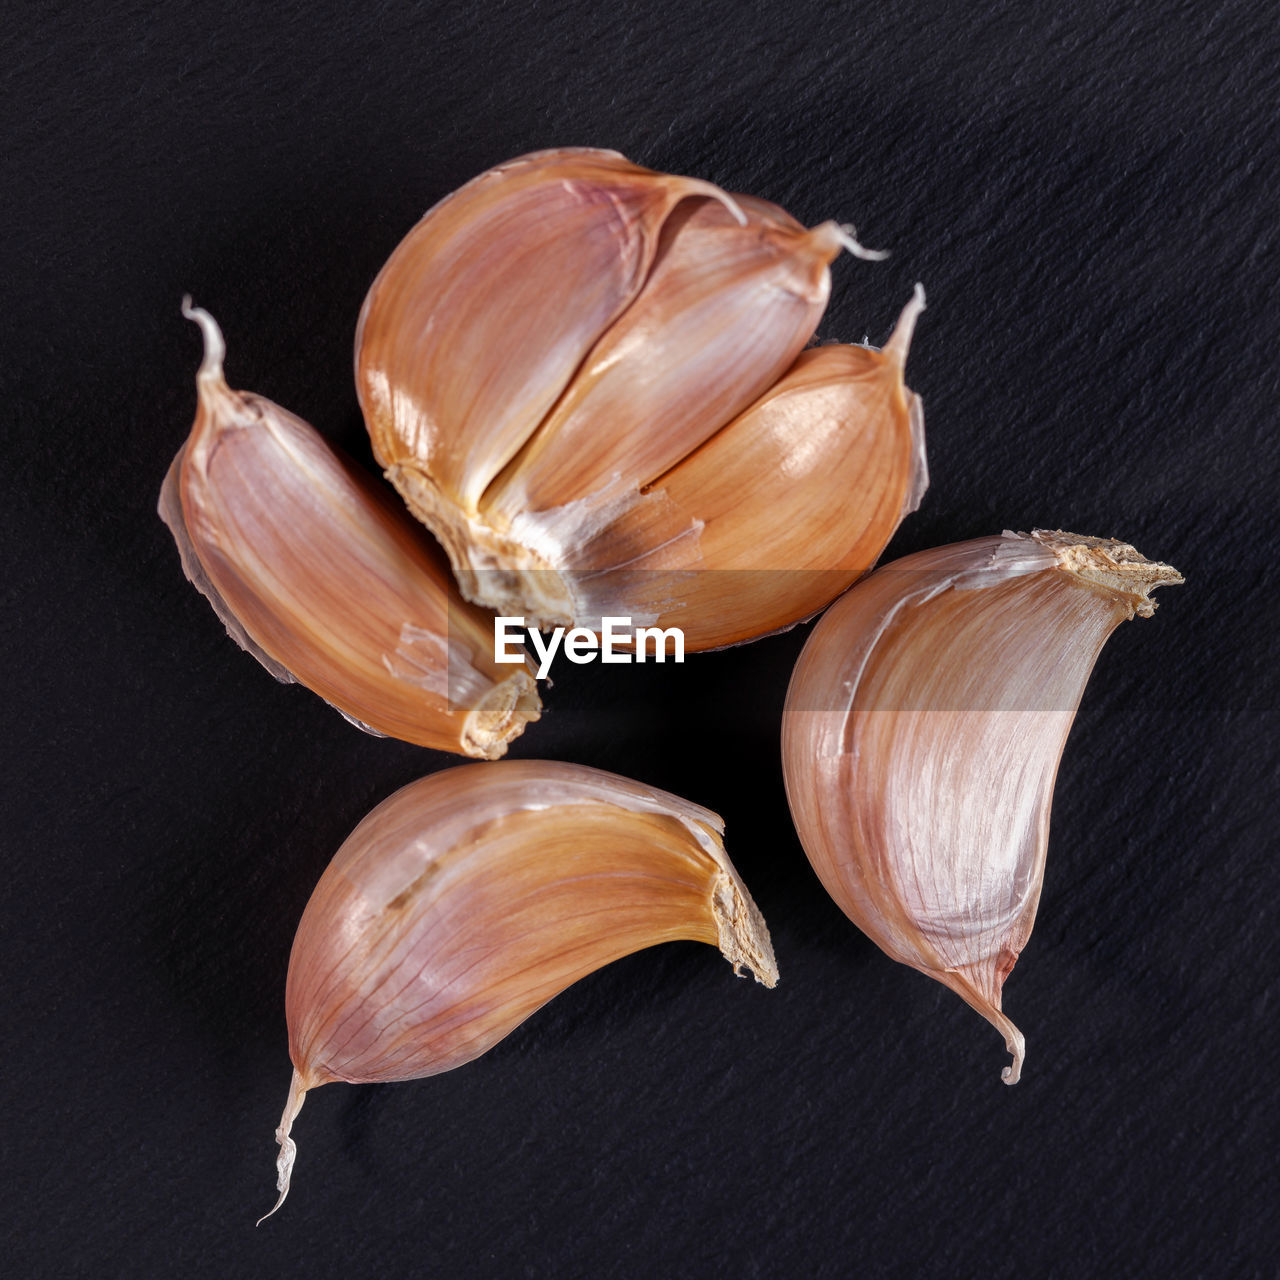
<point>589,381</point>
<point>921,737</point>
<point>326,581</point>
<point>468,899</point>
<point>594,384</point>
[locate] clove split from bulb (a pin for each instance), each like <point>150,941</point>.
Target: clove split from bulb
<point>325,579</point>
<point>465,901</point>
<point>589,381</point>
<point>921,738</point>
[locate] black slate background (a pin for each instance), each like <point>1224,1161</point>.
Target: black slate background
<point>1089,193</point>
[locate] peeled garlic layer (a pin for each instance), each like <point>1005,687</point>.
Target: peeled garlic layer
<point>921,737</point>
<point>324,578</point>
<point>468,899</point>
<point>588,380</point>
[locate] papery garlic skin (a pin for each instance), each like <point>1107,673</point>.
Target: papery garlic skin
<point>549,422</point>
<point>323,577</point>
<point>465,901</point>
<point>923,728</point>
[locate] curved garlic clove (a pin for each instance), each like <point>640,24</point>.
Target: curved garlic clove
<point>766,502</point>
<point>921,737</point>
<point>324,578</point>
<point>726,309</point>
<point>482,314</point>
<point>467,900</point>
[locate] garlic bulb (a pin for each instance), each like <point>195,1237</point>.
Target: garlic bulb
<point>588,380</point>
<point>468,899</point>
<point>921,737</point>
<point>324,578</point>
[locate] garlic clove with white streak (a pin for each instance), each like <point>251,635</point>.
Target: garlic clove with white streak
<point>468,899</point>
<point>549,423</point>
<point>320,573</point>
<point>921,738</point>
<point>481,316</point>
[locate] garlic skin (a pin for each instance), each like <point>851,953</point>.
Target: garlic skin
<point>325,579</point>
<point>465,901</point>
<point>563,361</point>
<point>921,737</point>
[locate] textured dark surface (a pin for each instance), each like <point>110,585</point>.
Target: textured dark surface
<point>1089,193</point>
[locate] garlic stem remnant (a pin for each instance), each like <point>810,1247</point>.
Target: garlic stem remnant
<point>324,578</point>
<point>589,380</point>
<point>468,899</point>
<point>921,737</point>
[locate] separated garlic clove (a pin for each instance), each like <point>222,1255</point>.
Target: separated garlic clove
<point>921,737</point>
<point>537,432</point>
<point>468,899</point>
<point>482,314</point>
<point>767,502</point>
<point>324,578</point>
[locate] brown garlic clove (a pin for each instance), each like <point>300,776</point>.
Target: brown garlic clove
<point>766,501</point>
<point>468,899</point>
<point>922,732</point>
<point>483,313</point>
<point>724,312</point>
<point>324,578</point>
<point>558,499</point>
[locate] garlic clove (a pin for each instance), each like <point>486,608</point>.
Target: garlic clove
<point>767,502</point>
<point>323,577</point>
<point>480,317</point>
<point>921,738</point>
<point>465,901</point>
<point>724,312</point>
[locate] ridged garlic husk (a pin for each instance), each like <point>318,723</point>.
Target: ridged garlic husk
<point>468,899</point>
<point>322,576</point>
<point>589,380</point>
<point>921,738</point>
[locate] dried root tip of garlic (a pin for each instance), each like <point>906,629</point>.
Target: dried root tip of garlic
<point>500,715</point>
<point>921,738</point>
<point>589,380</point>
<point>467,900</point>
<point>318,572</point>
<point>1114,566</point>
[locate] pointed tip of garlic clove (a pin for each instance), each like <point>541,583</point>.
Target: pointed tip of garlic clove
<point>1013,1072</point>
<point>846,235</point>
<point>215,347</point>
<point>1016,1043</point>
<point>899,343</point>
<point>284,1174</point>
<point>979,986</point>
<point>288,1148</point>
<point>1108,563</point>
